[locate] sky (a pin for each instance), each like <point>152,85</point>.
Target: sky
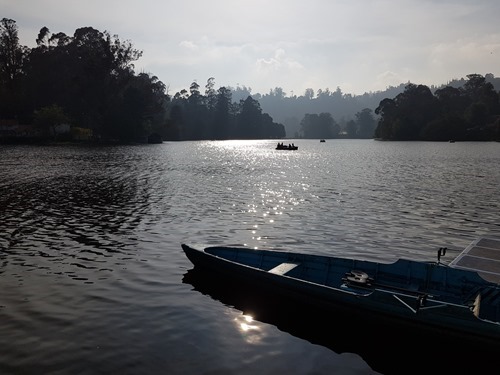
<point>358,46</point>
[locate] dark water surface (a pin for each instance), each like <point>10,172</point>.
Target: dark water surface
<point>93,279</point>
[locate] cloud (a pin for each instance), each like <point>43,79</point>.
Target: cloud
<point>387,79</point>
<point>188,45</point>
<point>466,49</point>
<point>355,45</point>
<point>277,62</point>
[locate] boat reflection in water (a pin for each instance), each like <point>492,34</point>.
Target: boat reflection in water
<point>387,348</point>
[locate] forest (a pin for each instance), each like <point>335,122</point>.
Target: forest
<point>88,82</point>
<point>468,113</point>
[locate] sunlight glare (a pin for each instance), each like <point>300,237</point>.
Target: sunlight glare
<point>252,333</point>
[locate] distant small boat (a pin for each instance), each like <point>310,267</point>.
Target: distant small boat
<point>281,146</point>
<point>452,141</point>
<point>322,140</point>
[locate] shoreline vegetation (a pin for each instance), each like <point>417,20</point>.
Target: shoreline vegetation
<point>83,88</point>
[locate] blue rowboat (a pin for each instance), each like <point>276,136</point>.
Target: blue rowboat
<point>454,299</point>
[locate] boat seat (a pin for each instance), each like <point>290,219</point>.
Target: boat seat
<point>283,268</point>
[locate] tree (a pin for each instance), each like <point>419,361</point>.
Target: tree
<point>89,75</point>
<point>49,73</point>
<point>11,53</point>
<point>174,124</point>
<point>387,110</point>
<point>309,94</point>
<point>196,116</point>
<point>351,129</point>
<point>319,126</point>
<point>365,123</point>
<point>473,87</point>
<point>12,59</point>
<point>271,129</point>
<point>47,118</point>
<point>308,124</point>
<point>222,114</point>
<point>278,93</point>
<point>480,91</point>
<point>329,127</point>
<point>404,117</point>
<point>445,127</point>
<point>451,100</point>
<point>477,114</point>
<point>249,119</point>
<point>210,93</point>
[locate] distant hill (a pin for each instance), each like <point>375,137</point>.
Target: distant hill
<point>289,111</point>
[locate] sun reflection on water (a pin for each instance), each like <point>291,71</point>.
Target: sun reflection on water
<point>275,185</point>
<point>251,332</point>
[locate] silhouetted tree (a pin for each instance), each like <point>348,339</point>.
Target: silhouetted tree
<point>271,129</point>
<point>407,114</point>
<point>365,123</point>
<point>351,128</point>
<point>12,55</point>
<point>175,124</point>
<point>91,76</point>
<point>222,115</point>
<point>210,93</point>
<point>467,113</point>
<point>319,126</point>
<point>445,127</point>
<point>249,121</point>
<point>309,94</point>
<point>12,60</point>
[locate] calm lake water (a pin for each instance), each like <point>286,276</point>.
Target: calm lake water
<point>94,281</point>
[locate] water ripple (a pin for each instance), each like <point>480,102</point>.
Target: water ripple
<point>90,241</point>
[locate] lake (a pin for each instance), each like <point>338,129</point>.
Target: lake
<point>94,281</point>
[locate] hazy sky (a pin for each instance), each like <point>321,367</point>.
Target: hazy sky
<point>357,45</point>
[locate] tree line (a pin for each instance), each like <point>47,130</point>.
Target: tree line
<point>467,113</point>
<point>88,80</point>
<point>214,115</point>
